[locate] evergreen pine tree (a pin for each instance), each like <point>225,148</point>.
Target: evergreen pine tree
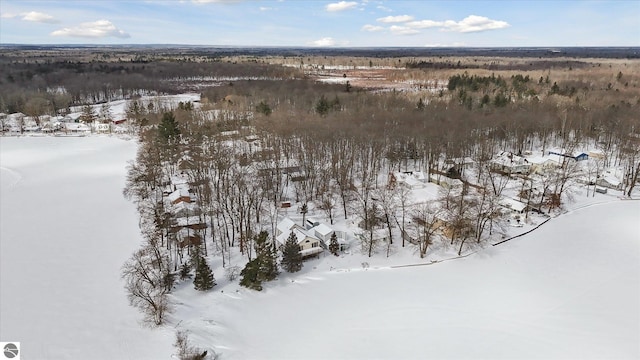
<point>264,108</point>
<point>263,268</point>
<point>334,247</point>
<point>323,106</point>
<point>185,271</point>
<point>250,275</point>
<point>268,264</point>
<point>204,279</point>
<point>168,129</point>
<point>88,115</point>
<point>291,257</point>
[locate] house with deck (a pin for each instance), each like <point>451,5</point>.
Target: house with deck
<point>312,238</point>
<point>308,244</point>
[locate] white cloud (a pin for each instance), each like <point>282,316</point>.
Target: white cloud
<point>326,41</point>
<point>403,30</point>
<point>395,19</point>
<point>383,8</point>
<point>38,17</point>
<point>7,16</point>
<point>471,23</point>
<point>264,8</point>
<point>424,24</point>
<point>474,23</point>
<point>96,29</point>
<point>342,5</point>
<point>372,28</point>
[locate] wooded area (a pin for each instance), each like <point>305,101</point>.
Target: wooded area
<point>264,134</point>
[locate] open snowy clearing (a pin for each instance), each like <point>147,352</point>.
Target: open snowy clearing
<point>569,290</point>
<point>65,231</point>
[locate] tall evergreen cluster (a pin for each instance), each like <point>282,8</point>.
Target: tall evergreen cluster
<point>204,279</point>
<point>264,267</point>
<point>291,257</point>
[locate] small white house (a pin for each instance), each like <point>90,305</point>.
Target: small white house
<point>412,180</point>
<point>510,163</point>
<point>543,164</point>
<point>608,179</point>
<point>512,205</point>
<point>77,128</point>
<point>308,244</point>
<point>447,182</point>
<point>184,209</point>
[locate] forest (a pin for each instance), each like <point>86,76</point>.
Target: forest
<point>271,129</point>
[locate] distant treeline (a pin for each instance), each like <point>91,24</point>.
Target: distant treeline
<point>528,52</point>
<point>37,87</point>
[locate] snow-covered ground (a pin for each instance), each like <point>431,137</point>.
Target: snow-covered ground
<point>570,289</point>
<point>65,231</point>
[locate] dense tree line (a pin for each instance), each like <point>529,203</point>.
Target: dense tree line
<point>47,86</point>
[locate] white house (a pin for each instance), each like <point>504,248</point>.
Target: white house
<point>286,226</point>
<point>510,163</point>
<point>460,164</point>
<point>308,244</point>
<point>447,182</point>
<point>608,179</point>
<point>543,164</point>
<point>312,240</point>
<point>412,180</point>
<point>514,206</point>
<point>77,128</point>
<point>183,209</point>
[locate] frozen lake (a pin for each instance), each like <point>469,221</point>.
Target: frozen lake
<point>65,231</point>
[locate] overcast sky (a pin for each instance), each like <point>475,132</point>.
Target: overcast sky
<point>322,23</point>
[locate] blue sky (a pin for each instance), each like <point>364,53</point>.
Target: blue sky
<point>322,23</point>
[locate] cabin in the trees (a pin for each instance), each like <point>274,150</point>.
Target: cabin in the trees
<point>509,163</point>
<point>609,179</point>
<point>310,241</point>
<point>308,244</point>
<point>445,181</point>
<point>77,128</point>
<point>513,206</point>
<point>457,166</point>
<point>412,179</point>
<point>185,209</point>
<point>543,164</point>
<point>180,195</point>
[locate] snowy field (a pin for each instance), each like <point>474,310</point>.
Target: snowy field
<point>65,231</point>
<point>569,290</point>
